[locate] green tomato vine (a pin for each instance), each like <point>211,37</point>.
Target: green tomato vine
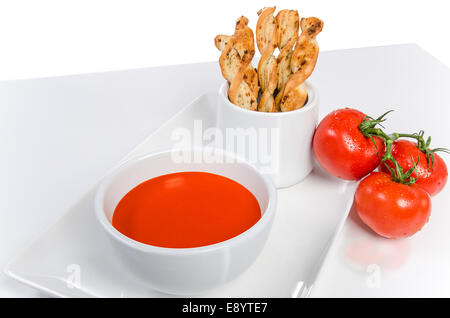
<point>370,128</point>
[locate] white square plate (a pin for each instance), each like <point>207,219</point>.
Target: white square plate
<point>76,247</point>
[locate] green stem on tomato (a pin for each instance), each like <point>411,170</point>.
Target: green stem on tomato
<point>369,129</point>
<point>424,146</point>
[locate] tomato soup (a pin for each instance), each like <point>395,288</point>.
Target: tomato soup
<point>186,209</point>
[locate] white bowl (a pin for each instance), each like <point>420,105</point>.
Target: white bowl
<point>279,144</point>
<point>186,270</point>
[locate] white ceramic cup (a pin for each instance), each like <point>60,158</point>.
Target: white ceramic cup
<point>186,271</point>
<point>279,144</point>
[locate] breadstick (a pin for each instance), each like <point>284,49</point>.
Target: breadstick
<point>287,22</point>
<point>221,41</point>
<point>302,64</point>
<point>266,40</point>
<point>234,61</point>
<point>250,76</point>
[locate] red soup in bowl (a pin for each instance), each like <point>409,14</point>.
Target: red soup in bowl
<point>189,225</point>
<point>185,210</point>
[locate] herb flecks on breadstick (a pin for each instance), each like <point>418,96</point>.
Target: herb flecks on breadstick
<point>250,75</point>
<point>306,51</point>
<point>221,41</point>
<point>287,22</point>
<point>235,60</point>
<point>303,61</point>
<point>266,40</point>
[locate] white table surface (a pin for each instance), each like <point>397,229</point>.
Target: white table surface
<point>56,146</point>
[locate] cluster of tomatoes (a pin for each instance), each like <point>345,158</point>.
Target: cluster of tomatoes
<point>395,200</point>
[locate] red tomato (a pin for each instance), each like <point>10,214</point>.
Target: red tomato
<point>432,179</point>
<point>341,148</point>
<point>392,209</point>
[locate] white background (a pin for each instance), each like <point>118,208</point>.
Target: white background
<point>56,37</point>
